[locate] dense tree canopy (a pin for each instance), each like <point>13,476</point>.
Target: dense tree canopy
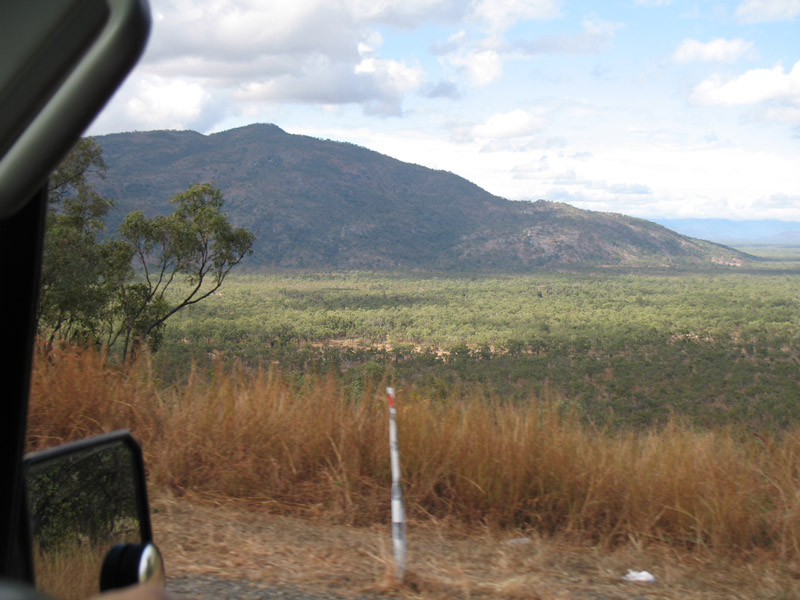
<point>80,272</point>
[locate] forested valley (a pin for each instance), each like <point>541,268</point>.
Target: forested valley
<point>619,347</point>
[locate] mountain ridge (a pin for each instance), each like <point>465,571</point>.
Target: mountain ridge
<point>322,204</point>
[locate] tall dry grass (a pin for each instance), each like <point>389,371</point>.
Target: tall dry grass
<point>255,435</point>
<point>68,572</point>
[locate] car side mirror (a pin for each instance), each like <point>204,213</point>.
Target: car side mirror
<point>89,517</point>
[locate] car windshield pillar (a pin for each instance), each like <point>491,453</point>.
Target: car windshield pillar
<point>21,243</point>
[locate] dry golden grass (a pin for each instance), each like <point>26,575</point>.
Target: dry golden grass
<point>69,572</point>
<point>253,436</point>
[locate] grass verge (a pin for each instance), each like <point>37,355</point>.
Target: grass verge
<point>260,437</point>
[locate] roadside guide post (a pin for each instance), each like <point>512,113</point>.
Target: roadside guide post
<point>398,510</point>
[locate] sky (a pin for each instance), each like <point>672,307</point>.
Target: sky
<point>650,108</point>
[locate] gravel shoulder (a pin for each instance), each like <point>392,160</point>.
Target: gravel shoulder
<point>226,551</point>
<point>212,588</point>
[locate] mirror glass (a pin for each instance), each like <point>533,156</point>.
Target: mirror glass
<point>83,498</point>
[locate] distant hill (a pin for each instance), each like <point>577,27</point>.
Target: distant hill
<point>321,204</point>
<point>726,231</point>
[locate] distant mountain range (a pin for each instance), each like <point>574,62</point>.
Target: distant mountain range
<point>321,204</point>
<point>725,231</point>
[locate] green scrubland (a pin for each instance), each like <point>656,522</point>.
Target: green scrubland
<point>621,347</point>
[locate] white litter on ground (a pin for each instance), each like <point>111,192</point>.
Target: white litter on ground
<point>642,576</point>
<point>518,541</point>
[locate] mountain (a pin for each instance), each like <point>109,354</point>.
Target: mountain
<point>321,204</point>
<point>725,231</point>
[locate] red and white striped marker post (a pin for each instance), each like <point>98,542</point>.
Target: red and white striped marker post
<point>398,510</point>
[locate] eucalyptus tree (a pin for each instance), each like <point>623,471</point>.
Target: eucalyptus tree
<point>196,245</point>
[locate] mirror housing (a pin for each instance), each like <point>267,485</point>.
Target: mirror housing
<point>131,564</point>
<point>87,500</point>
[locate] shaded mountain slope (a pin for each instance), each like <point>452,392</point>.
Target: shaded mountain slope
<point>322,204</point>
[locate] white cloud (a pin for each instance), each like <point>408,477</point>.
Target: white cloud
<point>596,35</point>
<point>694,181</point>
<point>788,113</point>
<point>231,31</point>
<point>718,50</point>
<point>401,13</point>
<point>517,123</point>
<point>635,189</point>
<point>396,77</point>
<point>547,169</point>
<point>752,87</point>
<point>482,66</point>
<point>761,11</point>
<point>248,28</point>
<point>305,51</point>
<point>378,84</point>
<point>167,103</point>
<point>392,76</point>
<point>482,59</point>
<point>442,89</point>
<point>499,15</point>
<point>777,201</point>
<point>532,169</point>
<point>480,62</point>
